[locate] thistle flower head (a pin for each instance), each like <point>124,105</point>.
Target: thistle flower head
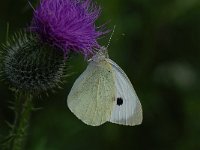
<point>68,24</point>
<point>30,66</point>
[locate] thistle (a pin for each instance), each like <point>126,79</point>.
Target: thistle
<point>29,66</point>
<point>34,61</point>
<point>68,24</point>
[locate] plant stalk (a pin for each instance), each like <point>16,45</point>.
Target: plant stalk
<point>18,134</point>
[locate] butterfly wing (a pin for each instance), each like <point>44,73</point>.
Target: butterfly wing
<point>92,95</point>
<point>127,108</point>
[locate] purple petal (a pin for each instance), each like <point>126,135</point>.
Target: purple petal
<point>68,24</point>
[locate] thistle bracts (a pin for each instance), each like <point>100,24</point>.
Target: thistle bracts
<point>29,66</point>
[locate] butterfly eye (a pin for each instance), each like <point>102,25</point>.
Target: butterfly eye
<point>119,101</point>
<point>89,60</point>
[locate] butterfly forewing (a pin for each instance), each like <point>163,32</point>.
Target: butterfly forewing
<point>93,94</point>
<point>127,109</point>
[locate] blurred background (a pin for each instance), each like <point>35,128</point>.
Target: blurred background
<point>157,43</point>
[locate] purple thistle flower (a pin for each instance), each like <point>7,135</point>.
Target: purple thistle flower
<point>68,24</point>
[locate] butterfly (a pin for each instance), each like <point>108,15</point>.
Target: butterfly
<point>104,93</point>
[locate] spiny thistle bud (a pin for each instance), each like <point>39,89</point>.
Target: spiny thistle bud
<point>30,66</point>
<point>68,24</point>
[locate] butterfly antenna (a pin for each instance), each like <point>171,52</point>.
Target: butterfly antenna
<point>109,41</point>
<point>31,5</point>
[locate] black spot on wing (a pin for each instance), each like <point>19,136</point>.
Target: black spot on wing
<point>119,101</point>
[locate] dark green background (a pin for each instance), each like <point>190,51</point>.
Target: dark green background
<point>157,43</point>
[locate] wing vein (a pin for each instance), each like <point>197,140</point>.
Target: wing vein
<point>96,102</point>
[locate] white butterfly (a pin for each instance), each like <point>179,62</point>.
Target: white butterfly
<point>104,93</point>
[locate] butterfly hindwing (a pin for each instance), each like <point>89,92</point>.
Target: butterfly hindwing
<point>92,95</point>
<point>127,109</point>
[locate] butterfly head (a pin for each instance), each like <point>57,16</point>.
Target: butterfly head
<point>100,55</point>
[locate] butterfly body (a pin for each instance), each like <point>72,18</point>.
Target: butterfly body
<point>104,93</point>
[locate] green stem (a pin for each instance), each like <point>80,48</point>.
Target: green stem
<point>23,107</point>
<point>22,121</point>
